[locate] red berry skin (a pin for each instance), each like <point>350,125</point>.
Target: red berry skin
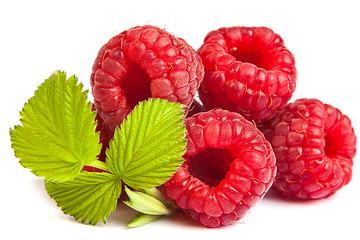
<point>314,144</point>
<point>247,70</point>
<point>139,63</point>
<point>229,166</point>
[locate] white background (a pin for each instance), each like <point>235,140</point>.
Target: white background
<point>40,37</point>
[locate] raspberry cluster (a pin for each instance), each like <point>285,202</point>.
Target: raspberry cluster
<point>243,75</point>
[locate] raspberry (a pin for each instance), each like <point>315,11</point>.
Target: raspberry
<point>228,168</point>
<point>140,63</point>
<point>314,144</point>
<point>247,70</point>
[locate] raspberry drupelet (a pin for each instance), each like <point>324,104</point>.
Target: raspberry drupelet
<point>247,70</point>
<point>314,144</point>
<point>139,63</point>
<point>228,168</point>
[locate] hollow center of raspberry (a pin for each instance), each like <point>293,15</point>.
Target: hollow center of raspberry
<point>248,56</point>
<point>136,85</point>
<point>211,165</point>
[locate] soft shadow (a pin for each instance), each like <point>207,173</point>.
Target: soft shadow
<point>122,216</point>
<point>182,219</point>
<point>39,190</point>
<point>274,196</point>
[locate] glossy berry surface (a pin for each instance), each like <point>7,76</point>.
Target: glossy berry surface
<point>314,144</point>
<point>228,168</point>
<point>247,70</point>
<point>140,63</point>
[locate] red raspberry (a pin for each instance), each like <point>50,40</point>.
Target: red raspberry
<point>247,70</point>
<point>228,168</point>
<point>139,63</point>
<point>314,144</point>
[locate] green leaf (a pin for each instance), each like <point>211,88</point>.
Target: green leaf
<point>155,193</point>
<point>145,203</point>
<point>57,136</point>
<point>90,197</point>
<point>148,148</point>
<point>142,219</point>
